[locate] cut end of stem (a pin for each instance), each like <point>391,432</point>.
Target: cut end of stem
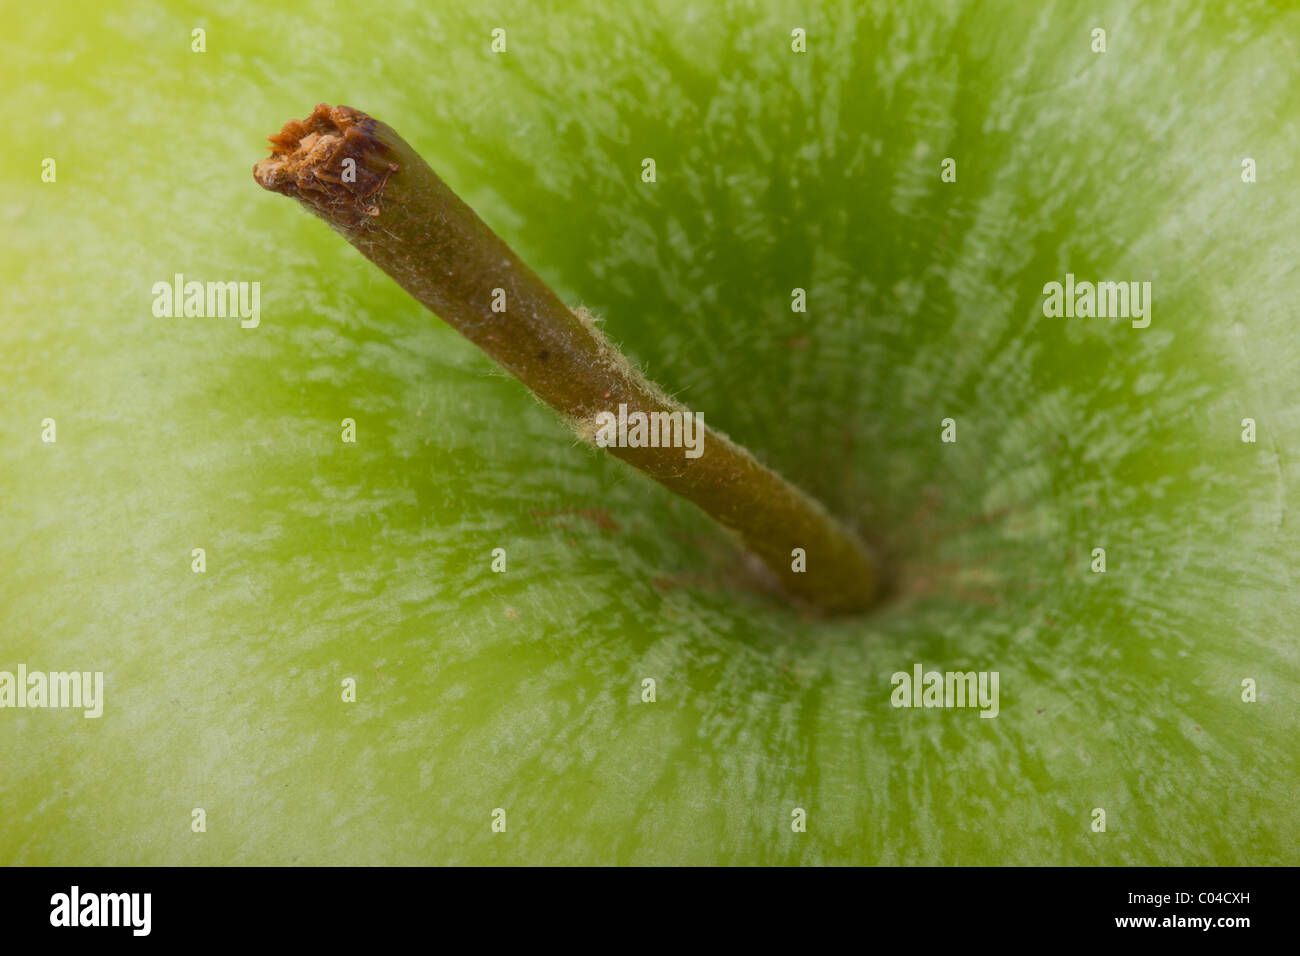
<point>334,161</point>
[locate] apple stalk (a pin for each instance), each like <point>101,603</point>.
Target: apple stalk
<point>370,185</point>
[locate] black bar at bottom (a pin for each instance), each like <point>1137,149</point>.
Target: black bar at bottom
<point>334,906</point>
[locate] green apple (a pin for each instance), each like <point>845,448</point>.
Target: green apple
<point>340,675</point>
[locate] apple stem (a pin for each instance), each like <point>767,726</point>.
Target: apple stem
<point>370,185</point>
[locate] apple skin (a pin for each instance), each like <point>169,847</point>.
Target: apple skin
<point>522,690</point>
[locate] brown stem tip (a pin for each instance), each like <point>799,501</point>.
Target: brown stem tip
<point>369,184</point>
<point>333,162</point>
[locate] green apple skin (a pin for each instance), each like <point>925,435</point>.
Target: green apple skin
<point>523,690</point>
